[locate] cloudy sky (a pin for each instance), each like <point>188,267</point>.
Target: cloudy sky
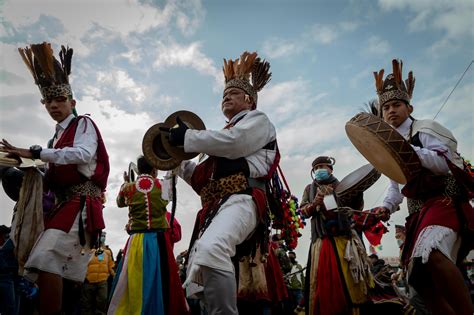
<point>136,62</point>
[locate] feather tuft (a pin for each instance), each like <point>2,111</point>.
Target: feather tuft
<point>372,107</point>
<point>410,83</point>
<point>261,74</point>
<point>46,70</point>
<point>379,80</point>
<point>28,62</point>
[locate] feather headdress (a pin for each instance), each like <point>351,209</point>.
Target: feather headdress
<point>51,76</point>
<point>393,87</point>
<point>248,73</point>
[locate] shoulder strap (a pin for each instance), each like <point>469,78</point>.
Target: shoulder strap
<point>275,163</point>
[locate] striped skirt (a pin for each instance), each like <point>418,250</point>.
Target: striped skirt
<point>147,280</point>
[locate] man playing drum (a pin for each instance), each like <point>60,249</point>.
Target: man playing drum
<point>437,201</point>
<point>228,181</point>
<point>78,168</point>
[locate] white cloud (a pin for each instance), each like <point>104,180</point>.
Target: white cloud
<point>276,47</point>
<point>455,17</point>
<point>173,54</point>
<point>11,62</point>
<point>288,97</point>
<point>349,26</point>
<point>324,34</point>
<point>360,77</point>
<point>377,46</point>
<point>122,82</point>
<point>80,18</point>
<point>133,56</point>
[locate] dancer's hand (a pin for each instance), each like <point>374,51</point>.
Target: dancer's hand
<point>192,273</point>
<point>382,213</point>
<point>13,151</point>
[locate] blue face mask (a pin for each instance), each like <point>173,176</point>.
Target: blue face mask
<point>321,174</point>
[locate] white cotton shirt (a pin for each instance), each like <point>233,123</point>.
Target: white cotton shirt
<point>83,152</point>
<point>245,139</point>
<point>429,159</point>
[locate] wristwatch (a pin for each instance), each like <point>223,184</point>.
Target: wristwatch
<point>36,151</point>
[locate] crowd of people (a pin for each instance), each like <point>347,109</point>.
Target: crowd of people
<point>235,263</point>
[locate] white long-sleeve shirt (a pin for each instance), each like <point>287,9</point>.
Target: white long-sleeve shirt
<point>245,139</point>
<point>429,159</point>
<point>84,149</point>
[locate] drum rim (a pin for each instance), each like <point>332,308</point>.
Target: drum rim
<point>371,177</point>
<point>408,171</point>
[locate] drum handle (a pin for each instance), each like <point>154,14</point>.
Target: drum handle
<point>173,202</point>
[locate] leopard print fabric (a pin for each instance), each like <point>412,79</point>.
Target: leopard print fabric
<point>84,189</point>
<point>218,189</point>
<point>56,90</point>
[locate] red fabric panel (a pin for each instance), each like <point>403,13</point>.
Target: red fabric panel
<point>63,217</point>
<point>95,219</point>
<point>260,199</point>
<point>275,282</point>
<point>174,231</point>
<point>435,211</point>
<point>177,302</point>
<point>329,296</point>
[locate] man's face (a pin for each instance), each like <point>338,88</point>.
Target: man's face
<point>59,108</point>
<point>321,166</point>
<point>396,112</point>
<point>234,102</point>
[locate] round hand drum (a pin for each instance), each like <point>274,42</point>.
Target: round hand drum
<point>383,147</point>
<point>356,182</point>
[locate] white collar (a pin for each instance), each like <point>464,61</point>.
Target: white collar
<point>238,116</point>
<point>404,128</point>
<point>63,124</point>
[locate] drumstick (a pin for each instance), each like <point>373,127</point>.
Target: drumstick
<point>356,211</point>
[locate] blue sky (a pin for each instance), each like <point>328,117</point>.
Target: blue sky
<point>136,62</point>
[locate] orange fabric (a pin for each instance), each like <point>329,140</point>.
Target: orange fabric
<point>99,271</point>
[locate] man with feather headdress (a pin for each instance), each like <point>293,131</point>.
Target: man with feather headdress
<point>77,172</point>
<point>440,223</point>
<point>229,181</point>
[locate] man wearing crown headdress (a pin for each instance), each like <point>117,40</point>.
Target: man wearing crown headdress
<point>77,172</point>
<point>440,216</point>
<point>230,181</point>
